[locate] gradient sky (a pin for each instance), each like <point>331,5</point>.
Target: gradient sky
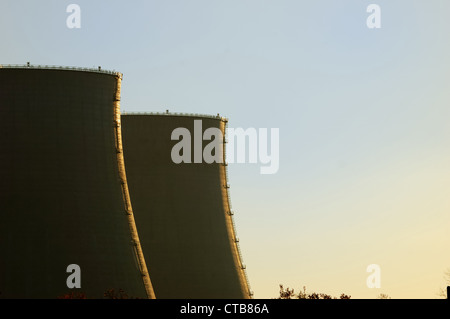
<point>363,115</point>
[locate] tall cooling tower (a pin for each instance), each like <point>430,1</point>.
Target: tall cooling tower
<point>63,192</point>
<point>182,211</point>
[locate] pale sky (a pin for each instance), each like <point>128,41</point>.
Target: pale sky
<point>363,115</point>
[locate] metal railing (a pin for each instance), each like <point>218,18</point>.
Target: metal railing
<point>216,117</point>
<point>58,67</point>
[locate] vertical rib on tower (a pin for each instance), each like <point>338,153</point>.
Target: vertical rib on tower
<point>125,193</point>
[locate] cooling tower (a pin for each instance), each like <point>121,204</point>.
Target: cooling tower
<point>63,193</point>
<point>182,211</point>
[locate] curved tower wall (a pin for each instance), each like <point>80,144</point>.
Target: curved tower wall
<point>182,211</point>
<point>61,197</point>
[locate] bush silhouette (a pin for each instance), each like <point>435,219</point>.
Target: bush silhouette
<point>290,294</point>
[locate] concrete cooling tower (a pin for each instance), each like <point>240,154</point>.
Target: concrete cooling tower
<point>71,193</point>
<point>63,193</point>
<point>182,211</point>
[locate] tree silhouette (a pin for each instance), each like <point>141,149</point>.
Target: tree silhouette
<point>442,291</point>
<point>290,294</point>
<point>73,295</point>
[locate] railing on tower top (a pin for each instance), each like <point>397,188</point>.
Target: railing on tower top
<point>199,115</point>
<point>58,67</point>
